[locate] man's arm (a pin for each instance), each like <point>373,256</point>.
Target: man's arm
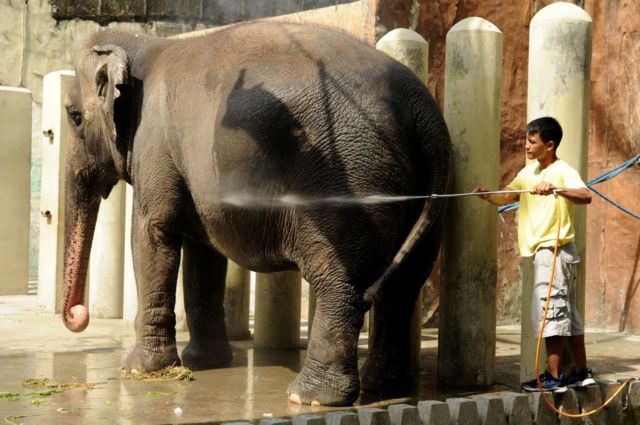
<point>497,198</point>
<point>578,196</point>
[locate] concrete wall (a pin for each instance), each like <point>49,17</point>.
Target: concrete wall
<point>15,149</point>
<point>208,12</point>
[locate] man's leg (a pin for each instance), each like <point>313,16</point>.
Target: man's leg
<point>555,346</point>
<point>578,350</point>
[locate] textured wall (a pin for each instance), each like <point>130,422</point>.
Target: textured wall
<point>613,238</point>
<point>209,12</point>
<point>613,244</point>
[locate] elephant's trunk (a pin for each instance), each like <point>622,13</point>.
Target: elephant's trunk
<point>80,220</point>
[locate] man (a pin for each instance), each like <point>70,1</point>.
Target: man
<point>537,228</point>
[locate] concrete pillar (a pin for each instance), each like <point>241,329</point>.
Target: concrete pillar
<point>15,174</point>
<point>237,296</point>
<point>130,293</point>
<point>277,310</point>
<point>473,79</point>
<point>179,310</point>
<point>559,74</point>
<point>410,49</point>
<point>55,86</point>
<point>106,264</point>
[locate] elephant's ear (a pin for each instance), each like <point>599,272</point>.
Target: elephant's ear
<point>111,71</point>
<point>111,81</point>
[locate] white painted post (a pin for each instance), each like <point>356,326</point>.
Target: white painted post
<point>54,147</point>
<point>106,264</point>
<point>277,310</point>
<point>559,75</point>
<point>130,301</point>
<point>473,81</point>
<point>409,48</point>
<point>179,310</point>
<point>15,174</point>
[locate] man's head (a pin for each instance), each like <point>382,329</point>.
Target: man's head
<point>547,128</point>
<point>543,137</point>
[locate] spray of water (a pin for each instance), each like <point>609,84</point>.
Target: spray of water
<point>249,201</point>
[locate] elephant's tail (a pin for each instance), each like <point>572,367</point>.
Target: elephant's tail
<point>433,137</point>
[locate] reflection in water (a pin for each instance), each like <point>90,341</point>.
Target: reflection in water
<point>252,388</point>
<point>248,394</point>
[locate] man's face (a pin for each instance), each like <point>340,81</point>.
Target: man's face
<point>536,148</point>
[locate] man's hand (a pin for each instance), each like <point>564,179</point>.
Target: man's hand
<point>577,196</point>
<point>480,190</point>
<point>544,188</point>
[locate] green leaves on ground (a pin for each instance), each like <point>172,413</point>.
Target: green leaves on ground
<point>44,388</point>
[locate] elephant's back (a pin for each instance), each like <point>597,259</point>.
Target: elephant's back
<point>296,91</point>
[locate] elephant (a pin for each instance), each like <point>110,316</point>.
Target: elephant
<point>217,135</point>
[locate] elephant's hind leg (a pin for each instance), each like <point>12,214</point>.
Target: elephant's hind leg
<point>386,371</point>
<point>330,373</point>
<point>204,272</point>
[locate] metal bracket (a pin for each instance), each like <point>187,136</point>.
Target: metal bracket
<point>46,214</point>
<point>48,133</point>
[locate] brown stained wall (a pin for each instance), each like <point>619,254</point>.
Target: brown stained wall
<point>613,238</point>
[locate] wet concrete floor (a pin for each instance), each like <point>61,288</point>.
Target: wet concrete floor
<point>34,344</point>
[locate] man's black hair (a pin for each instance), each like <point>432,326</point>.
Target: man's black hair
<point>547,128</point>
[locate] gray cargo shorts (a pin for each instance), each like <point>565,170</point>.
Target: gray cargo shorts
<point>563,318</point>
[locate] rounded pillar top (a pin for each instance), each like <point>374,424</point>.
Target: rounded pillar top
<point>561,11</point>
<point>474,23</point>
<point>60,73</point>
<point>402,34</point>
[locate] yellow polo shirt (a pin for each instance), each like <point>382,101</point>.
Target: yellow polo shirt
<point>537,221</point>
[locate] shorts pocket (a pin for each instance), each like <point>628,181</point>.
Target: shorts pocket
<point>569,256</point>
<point>558,309</point>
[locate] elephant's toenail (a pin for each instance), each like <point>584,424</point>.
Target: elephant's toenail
<point>295,398</point>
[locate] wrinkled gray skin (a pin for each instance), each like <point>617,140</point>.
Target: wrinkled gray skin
<point>261,109</point>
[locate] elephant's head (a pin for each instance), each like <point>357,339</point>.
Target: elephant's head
<point>98,113</point>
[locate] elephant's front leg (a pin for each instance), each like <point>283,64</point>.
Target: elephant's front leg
<point>156,258</point>
<point>204,272</point>
<point>330,373</point>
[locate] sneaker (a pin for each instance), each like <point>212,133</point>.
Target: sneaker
<point>548,383</point>
<point>584,378</point>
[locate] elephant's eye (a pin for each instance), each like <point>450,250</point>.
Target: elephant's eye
<point>75,115</point>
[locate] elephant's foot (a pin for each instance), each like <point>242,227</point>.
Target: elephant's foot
<point>146,360</point>
<point>326,388</point>
<point>386,381</point>
<point>197,356</point>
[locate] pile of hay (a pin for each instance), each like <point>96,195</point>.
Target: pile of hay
<point>171,373</point>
